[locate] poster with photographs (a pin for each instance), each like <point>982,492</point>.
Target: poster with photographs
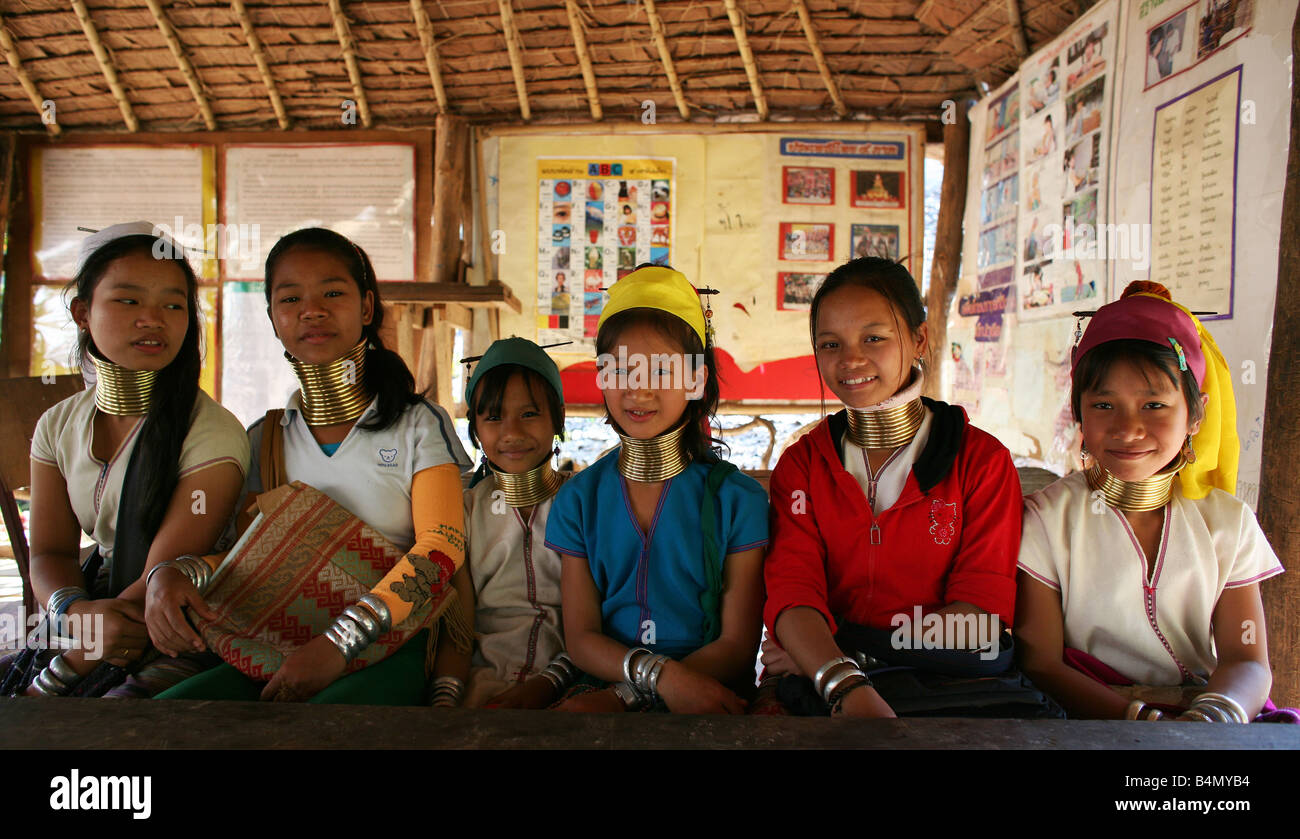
<point>999,202</point>
<point>1064,141</point>
<point>596,221</point>
<point>807,185</point>
<point>807,242</point>
<point>878,189</point>
<point>1188,36</point>
<point>796,290</point>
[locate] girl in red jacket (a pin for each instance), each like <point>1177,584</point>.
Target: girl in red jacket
<point>894,515</point>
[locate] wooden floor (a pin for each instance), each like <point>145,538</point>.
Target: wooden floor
<point>135,724</point>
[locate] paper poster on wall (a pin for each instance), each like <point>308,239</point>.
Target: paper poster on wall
<point>1064,138</point>
<point>806,242</point>
<point>364,191</point>
<point>808,184</point>
<point>97,186</point>
<point>1193,194</point>
<point>1181,40</point>
<point>596,221</point>
<point>999,197</point>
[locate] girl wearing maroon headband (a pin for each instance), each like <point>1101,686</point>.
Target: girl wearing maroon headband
<point>1138,595</point>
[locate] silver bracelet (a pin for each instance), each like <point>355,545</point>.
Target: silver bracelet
<point>825,669</point>
<point>1221,700</point>
<point>380,610</point>
<point>447,692</point>
<point>1196,715</point>
<point>628,675</point>
<point>556,680</point>
<point>57,679</point>
<point>347,636</point>
<point>837,678</point>
<point>61,599</point>
<point>633,699</point>
<point>652,681</point>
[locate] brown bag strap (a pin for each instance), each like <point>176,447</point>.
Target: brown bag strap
<point>271,457</point>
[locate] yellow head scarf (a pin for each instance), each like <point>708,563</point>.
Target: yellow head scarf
<point>655,287</point>
<point>1216,444</point>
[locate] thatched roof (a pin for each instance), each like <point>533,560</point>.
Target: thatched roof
<point>882,58</point>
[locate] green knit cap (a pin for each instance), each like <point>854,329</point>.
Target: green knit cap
<point>519,351</point>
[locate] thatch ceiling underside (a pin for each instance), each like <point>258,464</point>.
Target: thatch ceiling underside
<point>882,59</point>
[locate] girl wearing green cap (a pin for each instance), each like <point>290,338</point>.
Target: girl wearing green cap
<point>510,586</point>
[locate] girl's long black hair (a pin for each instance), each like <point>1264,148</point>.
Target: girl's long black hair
<point>387,375</point>
<point>168,421</point>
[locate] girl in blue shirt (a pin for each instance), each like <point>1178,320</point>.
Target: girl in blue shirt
<point>662,541</point>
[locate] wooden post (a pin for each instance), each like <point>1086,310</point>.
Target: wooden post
<point>1279,485</point>
<point>947,244</point>
<point>1017,28</point>
<point>450,169</point>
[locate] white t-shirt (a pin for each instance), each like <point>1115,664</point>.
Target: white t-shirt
<point>517,620</point>
<point>1094,561</point>
<point>893,475</point>
<point>370,473</point>
<point>63,439</point>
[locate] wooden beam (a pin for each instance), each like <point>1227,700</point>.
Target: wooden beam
<point>814,43</point>
<point>584,58</point>
<point>747,57</point>
<point>105,65</point>
<point>515,47</point>
<point>947,245</point>
<point>259,56</point>
<point>425,28</point>
<point>1279,486</point>
<point>37,100</point>
<point>1017,28</point>
<point>661,42</point>
<point>450,177</point>
<point>492,295</point>
<point>348,45</point>
<point>183,63</point>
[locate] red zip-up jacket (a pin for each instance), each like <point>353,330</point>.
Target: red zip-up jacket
<point>953,535</point>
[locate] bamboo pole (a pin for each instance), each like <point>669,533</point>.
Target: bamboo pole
<point>348,45</point>
<point>259,56</point>
<point>183,63</point>
<point>947,246</point>
<point>38,101</point>
<point>584,58</point>
<point>1279,488</point>
<point>1017,28</point>
<point>425,28</point>
<point>747,57</point>
<point>675,84</point>
<point>516,56</point>
<point>814,43</point>
<point>105,65</point>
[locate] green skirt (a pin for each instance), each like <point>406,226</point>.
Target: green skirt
<point>397,680</point>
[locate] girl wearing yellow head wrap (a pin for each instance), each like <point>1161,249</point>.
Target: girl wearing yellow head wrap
<point>1135,600</point>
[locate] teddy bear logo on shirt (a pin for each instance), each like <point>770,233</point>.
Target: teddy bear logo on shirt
<point>943,521</point>
<point>388,456</point>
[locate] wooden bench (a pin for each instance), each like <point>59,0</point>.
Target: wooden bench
<point>159,724</point>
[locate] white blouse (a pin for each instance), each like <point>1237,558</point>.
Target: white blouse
<point>1156,634</point>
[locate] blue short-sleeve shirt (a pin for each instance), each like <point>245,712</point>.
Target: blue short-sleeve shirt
<point>656,577</point>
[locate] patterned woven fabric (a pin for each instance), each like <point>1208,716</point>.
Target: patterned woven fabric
<point>296,568</point>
